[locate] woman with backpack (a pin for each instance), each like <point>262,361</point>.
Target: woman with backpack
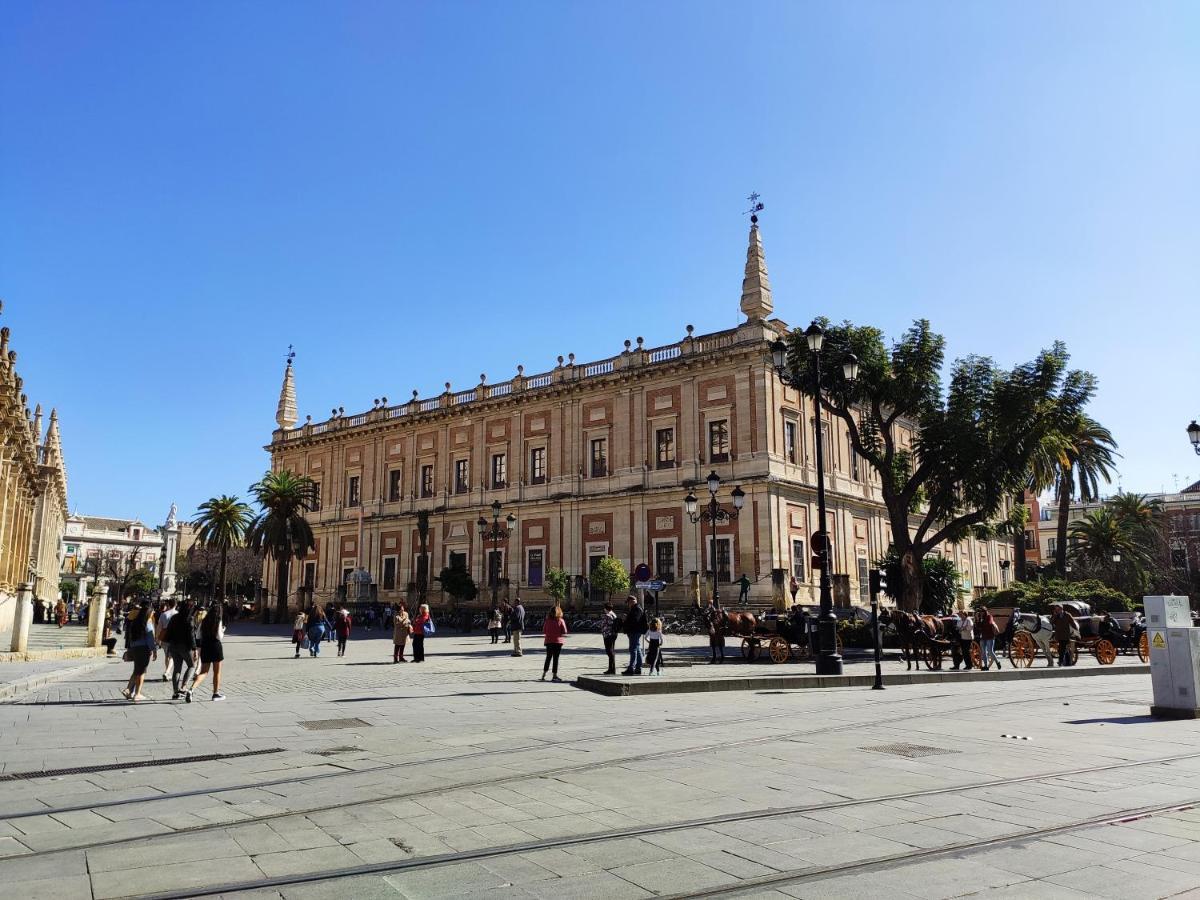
<point>212,653</point>
<point>140,648</point>
<point>421,626</point>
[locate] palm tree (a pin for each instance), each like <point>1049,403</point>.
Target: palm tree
<point>1102,542</point>
<point>221,523</point>
<point>1085,455</point>
<point>280,530</point>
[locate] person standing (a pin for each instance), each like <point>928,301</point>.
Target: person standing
<point>179,638</point>
<point>987,629</point>
<point>966,637</point>
<point>317,626</point>
<point>744,592</point>
<point>298,631</point>
<point>401,628</point>
<point>555,632</point>
<point>140,648</point>
<point>517,623</point>
<point>494,624</point>
<point>342,628</point>
<point>160,634</point>
<point>212,652</point>
<point>422,626</point>
<point>716,635</point>
<point>634,627</point>
<point>794,587</point>
<point>608,631</point>
<point>654,641</point>
<point>1065,630</point>
<point>506,620</point>
<point>60,613</point>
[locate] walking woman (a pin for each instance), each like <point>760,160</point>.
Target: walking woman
<point>421,626</point>
<point>212,653</point>
<point>60,613</point>
<point>401,629</point>
<point>985,627</point>
<point>140,648</point>
<point>298,631</point>
<point>341,627</point>
<point>555,632</point>
<point>494,624</point>
<point>317,627</point>
<point>179,637</point>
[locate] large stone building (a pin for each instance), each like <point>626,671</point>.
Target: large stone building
<point>596,459</point>
<point>33,493</point>
<point>105,550</point>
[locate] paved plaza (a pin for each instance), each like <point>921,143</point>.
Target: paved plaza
<point>467,775</point>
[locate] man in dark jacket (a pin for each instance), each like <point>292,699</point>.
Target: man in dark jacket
<point>1065,632</point>
<point>180,639</point>
<point>635,626</point>
<point>516,621</point>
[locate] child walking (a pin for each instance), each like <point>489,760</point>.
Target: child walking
<point>654,638</point>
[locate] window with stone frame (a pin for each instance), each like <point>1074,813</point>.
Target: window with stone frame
<point>789,441</point>
<point>722,553</point>
<point>316,505</point>
<point>462,476</point>
<point>664,561</point>
<point>427,481</point>
<point>799,563</point>
<point>537,465</point>
<point>599,457</point>
<point>534,568</point>
<point>499,470</point>
<point>664,448</point>
<point>310,574</point>
<point>389,573</point>
<point>395,484</point>
<point>718,441</point>
<point>352,492</point>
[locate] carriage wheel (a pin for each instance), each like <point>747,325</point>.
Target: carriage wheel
<point>801,650</point>
<point>976,655</point>
<point>1022,650</point>
<point>750,649</point>
<point>933,656</point>
<point>1144,646</point>
<point>1106,652</point>
<point>781,651</point>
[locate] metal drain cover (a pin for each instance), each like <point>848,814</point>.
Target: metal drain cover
<point>912,751</point>
<point>331,724</point>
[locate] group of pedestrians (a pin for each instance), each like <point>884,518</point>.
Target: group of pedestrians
<point>186,635</point>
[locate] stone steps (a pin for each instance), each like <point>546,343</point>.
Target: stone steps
<point>51,637</point>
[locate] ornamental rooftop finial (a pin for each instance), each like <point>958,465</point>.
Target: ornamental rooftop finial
<point>756,286</point>
<point>285,414</point>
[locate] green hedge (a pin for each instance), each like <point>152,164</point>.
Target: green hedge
<point>1037,596</point>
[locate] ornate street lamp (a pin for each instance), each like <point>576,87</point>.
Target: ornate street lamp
<point>493,532</point>
<point>829,661</point>
<point>712,512</point>
<point>1193,431</point>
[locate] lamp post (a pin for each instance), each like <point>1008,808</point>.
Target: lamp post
<point>829,662</point>
<point>1193,431</point>
<point>712,512</point>
<point>493,532</point>
<point>1004,564</point>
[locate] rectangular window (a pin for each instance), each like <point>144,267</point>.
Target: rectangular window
<point>352,498</point>
<point>826,448</point>
<point>789,441</point>
<point>389,573</point>
<point>1051,544</point>
<point>456,559</point>
<point>854,464</point>
<point>864,580</point>
<point>499,470</point>
<point>347,571</point>
<point>664,443</point>
<point>599,457</point>
<point>722,557</point>
<point>718,441</point>
<point>461,476</point>
<point>395,483</point>
<point>537,465</point>
<point>799,563</point>
<point>316,504</point>
<point>426,481</point>
<point>310,574</point>
<point>664,561</point>
<point>535,562</point>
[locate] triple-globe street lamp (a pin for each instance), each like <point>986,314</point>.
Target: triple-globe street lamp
<point>714,513</point>
<point>829,661</point>
<point>495,533</point>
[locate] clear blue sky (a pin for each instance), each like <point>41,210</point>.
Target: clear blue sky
<point>413,193</point>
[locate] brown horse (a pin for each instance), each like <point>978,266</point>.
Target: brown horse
<point>730,624</point>
<point>915,633</point>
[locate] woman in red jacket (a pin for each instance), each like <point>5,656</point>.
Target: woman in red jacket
<point>555,632</point>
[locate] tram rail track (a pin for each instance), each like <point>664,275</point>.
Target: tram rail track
<point>741,886</point>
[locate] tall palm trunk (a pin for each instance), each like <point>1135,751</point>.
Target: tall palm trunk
<point>281,589</point>
<point>1065,485</point>
<point>221,582</point>
<point>1019,554</point>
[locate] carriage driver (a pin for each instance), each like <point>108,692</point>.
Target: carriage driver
<point>1065,632</point>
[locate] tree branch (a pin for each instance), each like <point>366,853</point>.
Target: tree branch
<point>965,521</point>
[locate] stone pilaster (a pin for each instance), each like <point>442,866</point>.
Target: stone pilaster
<point>22,618</point>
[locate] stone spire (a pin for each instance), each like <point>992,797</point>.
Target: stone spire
<point>37,424</point>
<point>285,414</point>
<point>756,286</point>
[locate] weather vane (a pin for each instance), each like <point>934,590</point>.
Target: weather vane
<point>755,207</point>
<point>291,354</point>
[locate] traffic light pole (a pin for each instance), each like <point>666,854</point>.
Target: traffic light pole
<point>878,583</point>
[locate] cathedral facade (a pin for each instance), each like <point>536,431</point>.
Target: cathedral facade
<point>596,459</point>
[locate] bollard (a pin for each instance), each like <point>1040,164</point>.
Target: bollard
<point>22,617</point>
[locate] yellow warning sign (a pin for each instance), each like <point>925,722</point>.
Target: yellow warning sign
<point>1158,641</point>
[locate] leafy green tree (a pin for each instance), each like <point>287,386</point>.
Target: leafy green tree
<point>280,530</point>
<point>221,524</point>
<point>1038,596</point>
<point>68,589</point>
<point>558,583</point>
<point>140,583</point>
<point>1085,456</point>
<point>973,440</point>
<point>610,577</point>
<point>1104,544</point>
<point>458,583</point>
<point>940,582</point>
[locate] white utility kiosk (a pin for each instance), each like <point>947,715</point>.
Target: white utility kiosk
<point>1174,657</point>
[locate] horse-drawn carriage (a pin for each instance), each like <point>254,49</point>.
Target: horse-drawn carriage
<point>1105,637</point>
<point>783,636</point>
